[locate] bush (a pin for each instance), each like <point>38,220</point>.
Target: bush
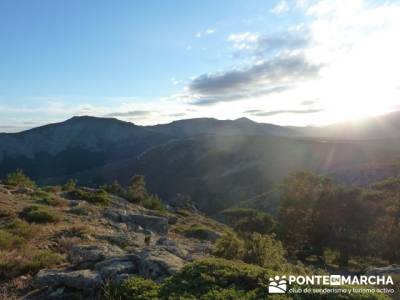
<point>229,247</point>
<point>152,202</point>
<point>53,201</point>
<point>265,251</point>
<point>199,232</point>
<point>95,197</point>
<point>70,185</point>
<point>36,214</point>
<point>135,287</point>
<point>18,178</point>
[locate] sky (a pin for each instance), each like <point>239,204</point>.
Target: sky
<point>287,62</point>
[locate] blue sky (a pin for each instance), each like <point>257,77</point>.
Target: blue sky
<point>288,62</point>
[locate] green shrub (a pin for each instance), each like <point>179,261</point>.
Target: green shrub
<point>265,251</point>
<point>152,202</point>
<point>199,232</point>
<point>229,246</point>
<point>53,201</point>
<point>99,197</point>
<point>70,185</point>
<point>18,178</point>
<point>36,214</point>
<point>135,287</point>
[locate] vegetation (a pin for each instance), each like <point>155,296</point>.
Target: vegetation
<point>37,214</point>
<point>99,197</point>
<point>136,193</point>
<point>133,288</point>
<point>249,220</point>
<point>70,185</point>
<point>19,179</point>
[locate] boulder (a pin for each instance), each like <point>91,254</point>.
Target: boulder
<point>84,280</point>
<point>114,267</point>
<point>80,254</point>
<point>152,223</point>
<point>158,263</point>
<point>173,247</point>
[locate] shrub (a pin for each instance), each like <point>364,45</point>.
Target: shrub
<point>229,247</point>
<point>152,202</point>
<point>265,251</point>
<point>18,178</point>
<point>36,214</point>
<point>199,232</point>
<point>94,196</point>
<point>53,201</point>
<point>135,287</point>
<point>70,185</point>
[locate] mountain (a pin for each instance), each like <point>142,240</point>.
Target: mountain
<point>379,127</point>
<point>218,163</point>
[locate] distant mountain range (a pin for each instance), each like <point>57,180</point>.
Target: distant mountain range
<point>217,162</point>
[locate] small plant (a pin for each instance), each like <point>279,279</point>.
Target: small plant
<point>18,178</point>
<point>36,214</point>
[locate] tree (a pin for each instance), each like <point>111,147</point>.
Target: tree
<point>344,219</point>
<point>296,217</point>
<point>137,191</point>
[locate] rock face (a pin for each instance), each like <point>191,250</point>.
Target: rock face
<point>114,267</point>
<point>84,280</point>
<point>159,263</point>
<point>86,254</point>
<point>152,223</point>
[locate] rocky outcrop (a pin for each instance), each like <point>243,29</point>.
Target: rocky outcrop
<point>89,254</point>
<point>114,267</point>
<point>158,263</point>
<point>155,224</point>
<point>84,280</point>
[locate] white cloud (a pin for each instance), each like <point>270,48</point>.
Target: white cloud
<point>244,40</point>
<point>204,33</point>
<point>280,7</point>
